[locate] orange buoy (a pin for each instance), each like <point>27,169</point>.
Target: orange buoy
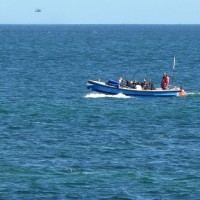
<point>182,92</point>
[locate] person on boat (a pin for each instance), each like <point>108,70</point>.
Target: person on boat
<point>135,83</point>
<point>128,83</point>
<point>151,85</point>
<point>121,81</point>
<point>165,82</point>
<point>144,85</point>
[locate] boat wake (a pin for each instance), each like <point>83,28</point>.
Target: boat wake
<point>100,95</point>
<point>193,94</point>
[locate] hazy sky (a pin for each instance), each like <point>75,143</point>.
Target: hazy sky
<point>100,12</point>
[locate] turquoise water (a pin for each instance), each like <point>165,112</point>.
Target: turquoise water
<point>60,141</point>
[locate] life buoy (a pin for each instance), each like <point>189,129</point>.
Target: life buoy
<point>182,92</point>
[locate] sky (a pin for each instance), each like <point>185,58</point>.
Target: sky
<point>100,12</point>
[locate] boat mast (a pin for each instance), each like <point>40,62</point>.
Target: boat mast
<point>173,67</point>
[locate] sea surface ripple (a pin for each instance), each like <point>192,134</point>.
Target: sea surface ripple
<point>62,141</point>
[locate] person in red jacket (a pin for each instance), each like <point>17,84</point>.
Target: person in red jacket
<point>165,82</point>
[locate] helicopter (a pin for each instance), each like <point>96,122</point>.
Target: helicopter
<point>38,10</point>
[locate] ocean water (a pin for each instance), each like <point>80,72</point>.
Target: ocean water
<point>62,141</point>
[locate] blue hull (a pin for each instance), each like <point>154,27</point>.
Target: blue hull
<point>103,87</point>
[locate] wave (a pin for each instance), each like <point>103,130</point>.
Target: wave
<point>100,95</point>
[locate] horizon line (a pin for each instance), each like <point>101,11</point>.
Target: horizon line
<point>93,24</point>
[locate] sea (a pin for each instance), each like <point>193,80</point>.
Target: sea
<point>59,140</point>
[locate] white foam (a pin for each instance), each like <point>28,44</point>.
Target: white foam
<point>100,95</point>
<point>193,93</point>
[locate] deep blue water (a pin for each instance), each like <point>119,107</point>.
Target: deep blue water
<point>60,141</point>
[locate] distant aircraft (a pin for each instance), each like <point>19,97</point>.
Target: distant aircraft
<point>37,10</point>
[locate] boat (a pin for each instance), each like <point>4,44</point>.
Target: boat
<point>134,89</point>
<point>114,88</point>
